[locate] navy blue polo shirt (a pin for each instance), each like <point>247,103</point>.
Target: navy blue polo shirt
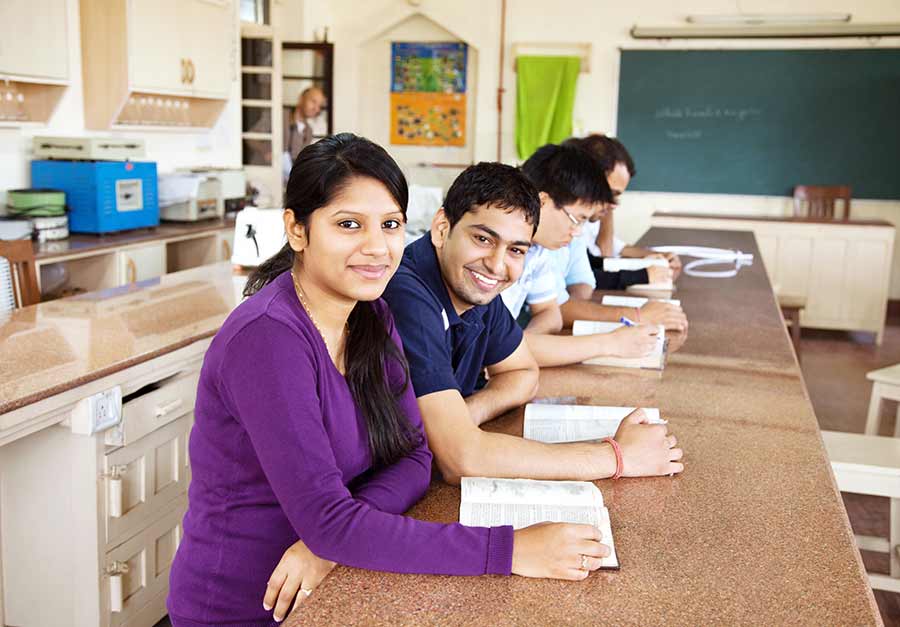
<point>445,351</point>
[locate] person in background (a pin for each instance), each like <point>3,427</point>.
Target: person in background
<point>446,305</point>
<point>308,444</point>
<point>298,132</point>
<point>570,262</point>
<point>618,168</point>
<point>569,191</point>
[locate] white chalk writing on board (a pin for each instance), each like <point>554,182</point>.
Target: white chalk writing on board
<point>707,112</point>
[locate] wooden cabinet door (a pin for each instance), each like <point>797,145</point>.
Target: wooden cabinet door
<point>150,474</point>
<point>33,39</point>
<point>135,575</point>
<point>208,32</point>
<point>146,262</point>
<point>155,51</point>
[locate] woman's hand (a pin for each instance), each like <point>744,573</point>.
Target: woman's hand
<point>557,551</point>
<point>296,575</point>
<point>636,341</point>
<point>647,449</point>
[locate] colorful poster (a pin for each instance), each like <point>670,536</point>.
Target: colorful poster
<point>428,93</point>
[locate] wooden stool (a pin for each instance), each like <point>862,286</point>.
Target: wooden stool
<point>885,385</point>
<point>869,464</point>
<point>791,306</point>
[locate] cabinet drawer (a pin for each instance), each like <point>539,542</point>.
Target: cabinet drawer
<point>144,478</point>
<point>148,412</point>
<point>137,572</point>
<point>144,262</point>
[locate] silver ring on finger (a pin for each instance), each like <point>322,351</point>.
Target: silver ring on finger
<point>584,562</point>
<point>305,591</point>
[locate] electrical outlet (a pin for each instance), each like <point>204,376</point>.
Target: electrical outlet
<point>98,412</point>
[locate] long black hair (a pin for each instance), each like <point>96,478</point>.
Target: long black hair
<point>321,172</point>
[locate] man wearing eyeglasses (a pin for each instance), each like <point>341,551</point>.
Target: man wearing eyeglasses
<point>570,191</point>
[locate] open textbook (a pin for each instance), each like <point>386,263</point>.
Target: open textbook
<point>523,502</point>
<point>634,301</point>
<point>655,360</point>
<point>617,264</point>
<point>577,423</point>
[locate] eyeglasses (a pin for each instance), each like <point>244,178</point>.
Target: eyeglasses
<point>575,222</point>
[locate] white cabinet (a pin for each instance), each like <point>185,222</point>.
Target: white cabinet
<point>208,43</point>
<point>97,524</point>
<point>180,47</point>
<point>33,39</point>
<point>157,62</point>
<point>842,269</point>
<point>145,262</point>
<point>34,59</point>
<point>155,51</point>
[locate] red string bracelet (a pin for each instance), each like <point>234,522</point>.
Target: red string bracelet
<point>637,315</point>
<point>618,452</point>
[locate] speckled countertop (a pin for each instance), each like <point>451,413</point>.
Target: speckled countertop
<point>58,345</point>
<point>753,532</point>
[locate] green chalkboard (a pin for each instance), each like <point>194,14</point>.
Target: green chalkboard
<point>762,121</point>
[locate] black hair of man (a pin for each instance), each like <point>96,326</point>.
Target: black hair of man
<point>496,185</point>
<point>567,174</point>
<point>608,150</point>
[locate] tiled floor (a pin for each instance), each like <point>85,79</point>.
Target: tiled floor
<point>834,366</point>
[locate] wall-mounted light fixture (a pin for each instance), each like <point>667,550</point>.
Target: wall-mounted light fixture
<point>766,30</point>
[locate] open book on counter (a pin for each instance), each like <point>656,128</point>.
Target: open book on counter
<point>655,360</point>
<point>523,502</point>
<point>617,264</point>
<point>634,301</point>
<point>577,423</point>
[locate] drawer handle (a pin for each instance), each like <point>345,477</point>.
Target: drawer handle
<point>132,270</point>
<point>115,571</point>
<point>114,479</point>
<point>162,410</point>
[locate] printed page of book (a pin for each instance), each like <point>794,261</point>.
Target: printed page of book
<point>617,264</point>
<point>577,423</point>
<point>634,301</point>
<point>490,502</point>
<point>656,360</point>
<point>663,288</point>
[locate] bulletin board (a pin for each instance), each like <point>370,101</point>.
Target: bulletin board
<point>428,93</point>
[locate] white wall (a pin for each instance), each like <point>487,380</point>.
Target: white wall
<point>606,26</point>
<point>220,146</point>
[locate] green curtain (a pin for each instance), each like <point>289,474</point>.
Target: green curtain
<point>545,97</point>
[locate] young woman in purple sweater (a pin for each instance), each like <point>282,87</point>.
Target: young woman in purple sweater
<point>308,445</point>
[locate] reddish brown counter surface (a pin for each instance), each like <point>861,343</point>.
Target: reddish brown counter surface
<point>753,532</point>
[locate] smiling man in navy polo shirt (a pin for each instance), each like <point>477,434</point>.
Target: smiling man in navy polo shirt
<point>444,299</point>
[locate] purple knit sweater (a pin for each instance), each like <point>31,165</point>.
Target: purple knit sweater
<point>279,451</point>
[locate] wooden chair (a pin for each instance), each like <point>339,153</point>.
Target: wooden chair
<point>820,201</point>
<point>791,306</point>
<point>20,255</point>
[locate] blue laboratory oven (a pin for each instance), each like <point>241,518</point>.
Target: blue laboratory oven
<point>102,196</point>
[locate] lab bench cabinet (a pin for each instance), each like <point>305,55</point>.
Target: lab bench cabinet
<point>91,523</point>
